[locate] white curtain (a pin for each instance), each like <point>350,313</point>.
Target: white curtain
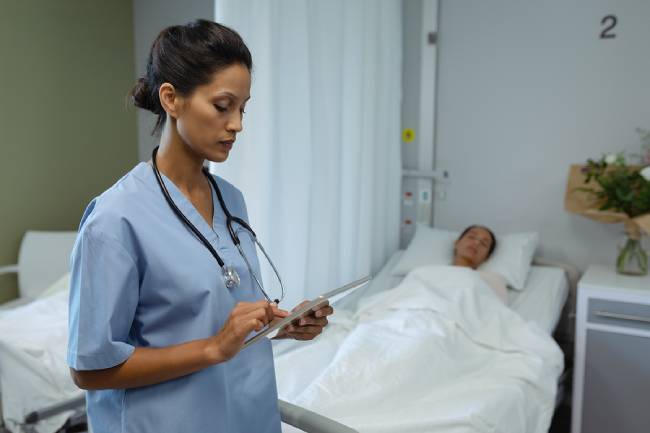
<point>319,158</point>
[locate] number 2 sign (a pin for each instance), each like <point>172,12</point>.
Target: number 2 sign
<point>609,21</point>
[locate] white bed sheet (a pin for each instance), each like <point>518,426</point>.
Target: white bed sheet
<point>543,298</point>
<point>541,301</point>
<point>33,372</point>
<point>430,369</point>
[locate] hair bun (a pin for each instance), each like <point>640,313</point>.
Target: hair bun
<point>141,96</point>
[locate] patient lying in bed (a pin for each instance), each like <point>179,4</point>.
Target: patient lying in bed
<point>437,352</point>
<point>472,248</point>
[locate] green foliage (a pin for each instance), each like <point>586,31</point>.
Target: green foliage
<point>622,188</point>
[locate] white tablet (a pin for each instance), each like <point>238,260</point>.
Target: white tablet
<point>271,331</point>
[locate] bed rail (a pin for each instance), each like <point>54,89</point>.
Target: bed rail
<point>55,409</point>
<point>291,414</point>
<point>309,421</point>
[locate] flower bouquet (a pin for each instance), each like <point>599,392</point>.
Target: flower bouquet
<point>610,190</point>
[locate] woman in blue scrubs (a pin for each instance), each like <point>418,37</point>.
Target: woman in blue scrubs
<point>155,334</point>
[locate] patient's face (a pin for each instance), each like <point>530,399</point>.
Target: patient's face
<point>474,247</point>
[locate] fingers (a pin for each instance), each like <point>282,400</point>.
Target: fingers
<point>323,311</point>
<point>254,316</point>
<point>271,311</point>
<point>311,320</point>
<point>254,321</point>
<point>304,331</point>
<point>279,313</point>
<point>302,337</point>
<point>247,307</point>
<point>309,325</point>
<point>270,315</point>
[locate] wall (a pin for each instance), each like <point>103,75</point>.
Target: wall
<point>525,89</point>
<point>65,134</point>
<point>149,18</point>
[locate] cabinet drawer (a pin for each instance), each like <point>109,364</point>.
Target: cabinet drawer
<point>616,383</point>
<point>616,313</point>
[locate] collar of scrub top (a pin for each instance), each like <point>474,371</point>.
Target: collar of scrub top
<point>230,275</point>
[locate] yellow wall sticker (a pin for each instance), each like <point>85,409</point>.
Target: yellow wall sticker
<point>408,135</point>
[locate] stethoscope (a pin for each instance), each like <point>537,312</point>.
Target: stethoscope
<point>230,275</point>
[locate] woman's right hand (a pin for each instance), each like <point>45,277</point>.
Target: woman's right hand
<point>245,318</point>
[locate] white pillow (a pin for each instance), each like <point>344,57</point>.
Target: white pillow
<point>511,258</point>
<point>428,247</point>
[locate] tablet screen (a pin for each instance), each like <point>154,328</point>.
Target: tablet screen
<point>271,331</point>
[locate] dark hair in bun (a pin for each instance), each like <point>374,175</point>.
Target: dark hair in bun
<point>186,57</point>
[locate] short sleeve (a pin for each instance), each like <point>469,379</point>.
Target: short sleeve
<point>104,291</point>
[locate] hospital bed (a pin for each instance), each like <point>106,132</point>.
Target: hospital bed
<point>548,287</point>
<point>546,302</point>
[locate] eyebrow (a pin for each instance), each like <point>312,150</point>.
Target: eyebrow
<point>231,95</point>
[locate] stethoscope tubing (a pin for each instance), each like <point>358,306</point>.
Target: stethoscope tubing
<point>180,214</point>
<point>230,219</point>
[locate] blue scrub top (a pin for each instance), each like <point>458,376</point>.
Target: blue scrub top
<point>140,278</point>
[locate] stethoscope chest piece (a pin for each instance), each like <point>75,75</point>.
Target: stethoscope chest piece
<point>230,277</point>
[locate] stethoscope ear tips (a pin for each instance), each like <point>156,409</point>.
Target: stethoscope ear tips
<point>277,301</point>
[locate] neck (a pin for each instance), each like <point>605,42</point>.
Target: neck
<point>177,161</point>
<point>464,262</point>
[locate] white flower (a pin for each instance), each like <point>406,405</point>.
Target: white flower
<point>646,173</point>
<point>610,158</point>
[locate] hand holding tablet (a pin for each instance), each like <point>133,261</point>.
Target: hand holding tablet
<point>304,310</point>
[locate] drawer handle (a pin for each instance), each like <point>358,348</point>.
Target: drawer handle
<point>628,317</point>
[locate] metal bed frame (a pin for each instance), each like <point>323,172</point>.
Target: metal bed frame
<point>291,414</point>
<point>565,329</point>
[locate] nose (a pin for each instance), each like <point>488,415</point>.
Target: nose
<point>235,123</point>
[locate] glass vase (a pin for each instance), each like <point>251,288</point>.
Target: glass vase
<point>633,256</point>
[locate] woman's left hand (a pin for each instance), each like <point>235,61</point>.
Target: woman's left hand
<point>308,326</point>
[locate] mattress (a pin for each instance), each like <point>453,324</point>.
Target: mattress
<point>543,298</point>
<point>540,302</point>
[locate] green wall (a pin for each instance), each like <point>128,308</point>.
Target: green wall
<point>66,134</point>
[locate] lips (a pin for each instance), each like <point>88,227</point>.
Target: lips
<point>227,143</point>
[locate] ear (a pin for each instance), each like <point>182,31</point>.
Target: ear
<point>169,99</point>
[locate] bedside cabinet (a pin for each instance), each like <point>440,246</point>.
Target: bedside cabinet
<point>611,384</point>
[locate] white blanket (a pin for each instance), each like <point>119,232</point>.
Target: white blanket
<point>33,372</point>
<point>437,353</point>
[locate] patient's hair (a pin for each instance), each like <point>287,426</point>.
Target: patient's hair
<point>494,239</point>
<point>186,57</point>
